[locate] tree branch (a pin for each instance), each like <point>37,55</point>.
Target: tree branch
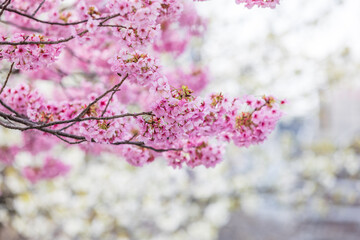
<point>7,78</point>
<point>91,118</point>
<point>38,8</point>
<point>100,97</point>
<point>60,40</point>
<point>108,103</point>
<point>6,3</point>
<point>142,144</point>
<point>9,108</point>
<point>95,101</point>
<point>4,8</point>
<point>62,135</point>
<point>41,42</point>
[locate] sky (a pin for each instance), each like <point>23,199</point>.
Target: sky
<point>286,52</point>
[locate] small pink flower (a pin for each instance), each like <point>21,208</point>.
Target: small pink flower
<point>92,25</point>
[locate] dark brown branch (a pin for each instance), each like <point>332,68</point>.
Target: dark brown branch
<point>111,25</point>
<point>69,142</point>
<point>9,108</point>
<point>133,137</point>
<point>142,144</point>
<point>108,102</point>
<point>42,42</point>
<point>57,41</point>
<point>91,118</point>
<point>108,18</point>
<point>27,122</point>
<point>112,94</point>
<point>100,97</point>
<point>6,3</point>
<point>38,8</point>
<point>53,23</point>
<point>95,101</point>
<point>63,135</point>
<point>7,78</point>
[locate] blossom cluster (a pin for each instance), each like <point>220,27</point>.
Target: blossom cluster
<point>139,21</point>
<point>32,56</point>
<point>136,156</point>
<point>184,120</point>
<point>20,98</point>
<point>181,121</point>
<point>139,67</point>
<point>196,152</point>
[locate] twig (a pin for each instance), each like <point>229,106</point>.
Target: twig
<point>54,23</point>
<point>7,78</point>
<point>108,103</point>
<point>55,42</point>
<point>93,102</point>
<point>38,8</point>
<point>100,97</point>
<point>112,95</point>
<point>6,3</point>
<point>142,144</point>
<point>63,135</point>
<point>89,119</point>
<point>9,108</point>
<point>112,25</point>
<point>69,142</point>
<point>41,42</point>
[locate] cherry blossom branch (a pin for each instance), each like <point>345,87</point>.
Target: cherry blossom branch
<point>58,41</point>
<point>142,144</point>
<point>41,42</point>
<point>93,118</point>
<point>62,135</point>
<point>78,118</point>
<point>4,8</point>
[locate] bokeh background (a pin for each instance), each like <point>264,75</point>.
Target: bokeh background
<point>302,184</point>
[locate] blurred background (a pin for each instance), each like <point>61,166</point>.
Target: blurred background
<point>301,184</point>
